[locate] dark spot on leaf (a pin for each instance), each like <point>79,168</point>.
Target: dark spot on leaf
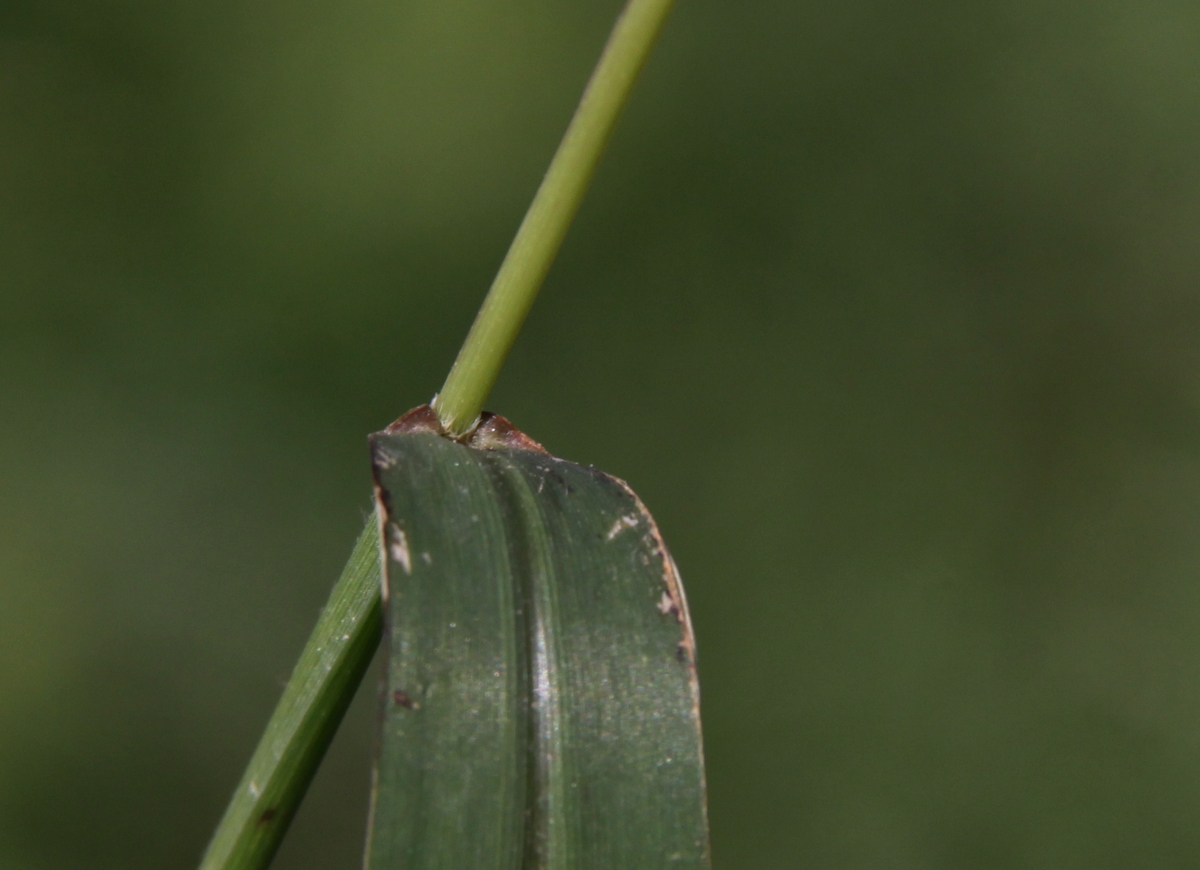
<point>402,700</point>
<point>681,655</point>
<point>267,816</point>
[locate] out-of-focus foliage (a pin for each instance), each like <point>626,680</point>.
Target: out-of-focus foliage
<point>890,313</point>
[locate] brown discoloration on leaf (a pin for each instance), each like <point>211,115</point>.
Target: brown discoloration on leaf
<point>673,602</point>
<point>420,419</point>
<point>675,591</point>
<point>383,510</point>
<point>267,816</point>
<point>490,433</point>
<point>495,431</point>
<point>401,699</point>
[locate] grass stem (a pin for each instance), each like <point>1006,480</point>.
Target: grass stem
<point>545,225</point>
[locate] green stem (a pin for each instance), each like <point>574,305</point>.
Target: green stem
<point>541,233</point>
<point>299,731</point>
<point>348,631</point>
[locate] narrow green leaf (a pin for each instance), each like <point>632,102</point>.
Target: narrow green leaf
<point>541,708</point>
<point>316,697</point>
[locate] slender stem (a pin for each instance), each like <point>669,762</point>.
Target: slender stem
<point>299,731</point>
<point>545,224</point>
<point>348,631</point>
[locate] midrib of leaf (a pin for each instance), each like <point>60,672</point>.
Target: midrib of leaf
<point>550,843</point>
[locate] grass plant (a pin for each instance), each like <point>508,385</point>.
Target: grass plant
<point>347,633</point>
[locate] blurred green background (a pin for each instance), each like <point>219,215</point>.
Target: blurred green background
<point>890,312</point>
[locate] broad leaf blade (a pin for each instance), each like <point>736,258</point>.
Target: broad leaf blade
<point>541,708</point>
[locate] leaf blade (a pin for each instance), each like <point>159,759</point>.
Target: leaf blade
<point>301,727</point>
<point>576,712</point>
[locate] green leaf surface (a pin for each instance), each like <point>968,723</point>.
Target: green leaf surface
<point>541,707</point>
